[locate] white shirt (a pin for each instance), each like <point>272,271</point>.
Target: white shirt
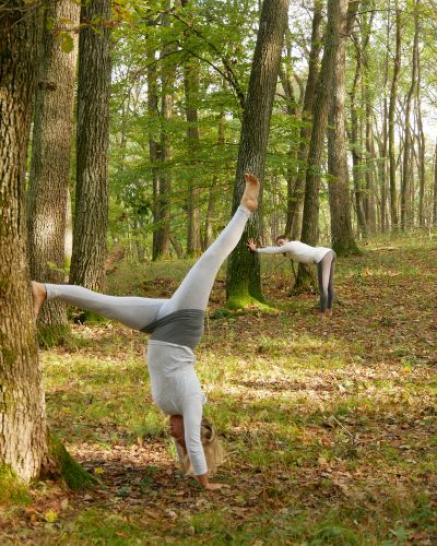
<point>176,390</point>
<point>300,252</point>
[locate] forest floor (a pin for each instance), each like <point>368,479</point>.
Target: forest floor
<point>328,424</point>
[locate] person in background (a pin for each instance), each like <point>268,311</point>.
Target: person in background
<point>322,256</point>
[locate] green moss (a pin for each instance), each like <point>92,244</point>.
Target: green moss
<point>12,489</point>
<point>72,472</point>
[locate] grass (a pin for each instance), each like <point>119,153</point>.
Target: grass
<point>328,425</point>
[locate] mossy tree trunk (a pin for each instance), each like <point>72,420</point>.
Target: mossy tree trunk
<point>91,211</point>
<point>342,237</point>
<point>23,430</point>
<point>51,152</point>
<point>243,282</point>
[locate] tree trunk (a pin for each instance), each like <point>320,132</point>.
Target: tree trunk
<point>356,142</point>
<point>407,173</point>
<point>310,225</point>
<point>342,237</point>
<point>214,187</point>
<point>434,200</point>
<point>421,149</point>
<point>391,123</point>
<point>294,204</point>
<point>243,283</point>
<point>50,165</point>
<point>382,162</point>
<point>163,188</point>
<point>23,430</point>
<point>91,211</point>
<point>191,85</point>
<point>153,114</point>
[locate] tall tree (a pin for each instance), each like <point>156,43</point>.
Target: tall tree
<point>342,236</point>
<point>360,43</point>
<point>391,121</point>
<point>191,87</point>
<point>91,212</point>
<point>310,226</point>
<point>296,195</point>
<point>407,174</point>
<point>243,282</point>
<point>51,151</point>
<point>23,431</point>
<point>434,197</point>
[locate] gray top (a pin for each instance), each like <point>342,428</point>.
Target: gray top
<point>183,327</point>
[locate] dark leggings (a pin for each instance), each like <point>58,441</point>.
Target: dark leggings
<point>325,273</point>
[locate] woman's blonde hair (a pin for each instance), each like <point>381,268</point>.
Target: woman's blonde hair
<point>212,446</point>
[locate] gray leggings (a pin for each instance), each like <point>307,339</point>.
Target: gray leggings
<point>325,273</point>
<point>193,292</point>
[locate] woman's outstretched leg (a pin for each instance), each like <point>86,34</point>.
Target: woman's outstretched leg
<point>131,311</point>
<point>194,291</point>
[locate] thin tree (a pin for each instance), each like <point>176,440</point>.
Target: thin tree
<point>310,225</point>
<point>243,283</point>
<point>191,87</point>
<point>356,138</point>
<point>434,199</point>
<point>51,152</point>
<point>407,173</point>
<point>342,236</point>
<point>391,121</point>
<point>295,198</point>
<point>91,211</point>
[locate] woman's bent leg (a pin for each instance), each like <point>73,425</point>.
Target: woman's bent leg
<point>324,276</point>
<point>132,311</point>
<point>193,293</point>
<point>331,293</point>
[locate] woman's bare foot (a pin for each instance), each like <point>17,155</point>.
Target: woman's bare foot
<point>251,191</point>
<point>39,294</point>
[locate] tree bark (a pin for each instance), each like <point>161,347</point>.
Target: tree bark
<point>356,141</point>
<point>421,148</point>
<point>310,224</point>
<point>163,176</point>
<point>407,173</point>
<point>382,162</point>
<point>50,166</point>
<point>91,211</point>
<point>294,204</point>
<point>243,283</point>
<point>23,429</point>
<point>342,236</point>
<point>191,85</point>
<point>434,200</point>
<point>391,123</point>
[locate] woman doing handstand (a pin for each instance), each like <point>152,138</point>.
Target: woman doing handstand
<point>176,325</point>
<point>301,252</point>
